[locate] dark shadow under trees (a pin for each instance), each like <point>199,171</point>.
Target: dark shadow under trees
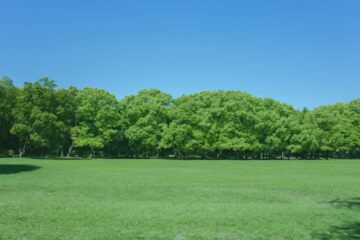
<point>352,203</point>
<point>17,168</point>
<point>348,230</point>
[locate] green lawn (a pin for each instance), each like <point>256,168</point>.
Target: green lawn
<point>170,199</point>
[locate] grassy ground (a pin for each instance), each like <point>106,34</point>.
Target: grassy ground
<point>169,199</point>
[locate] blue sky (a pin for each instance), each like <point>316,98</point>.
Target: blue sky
<point>305,53</point>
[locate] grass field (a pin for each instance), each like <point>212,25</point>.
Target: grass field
<point>170,199</point>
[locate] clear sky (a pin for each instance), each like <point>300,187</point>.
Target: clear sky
<point>305,52</point>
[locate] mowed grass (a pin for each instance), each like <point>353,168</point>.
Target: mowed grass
<point>170,199</point>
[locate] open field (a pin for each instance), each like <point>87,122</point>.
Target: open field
<point>169,199</point>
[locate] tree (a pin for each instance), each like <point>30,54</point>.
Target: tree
<point>66,110</point>
<point>41,119</point>
<point>98,119</point>
<point>304,141</point>
<point>146,116</point>
<point>339,129</point>
<point>8,93</point>
<point>35,117</point>
<point>211,123</point>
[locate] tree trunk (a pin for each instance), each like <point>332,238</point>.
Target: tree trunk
<point>20,152</point>
<point>91,152</point>
<point>178,154</point>
<point>22,149</point>
<point>69,150</point>
<point>219,154</point>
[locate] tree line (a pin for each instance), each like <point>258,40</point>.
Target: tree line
<point>39,119</point>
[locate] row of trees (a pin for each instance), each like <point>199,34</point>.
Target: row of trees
<point>41,120</point>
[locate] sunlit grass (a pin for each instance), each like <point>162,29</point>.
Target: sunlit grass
<point>169,199</point>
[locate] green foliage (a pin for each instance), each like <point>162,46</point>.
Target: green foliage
<point>146,114</point>
<point>8,95</point>
<point>339,132</point>
<point>212,124</point>
<point>66,111</point>
<point>98,119</point>
<point>36,121</point>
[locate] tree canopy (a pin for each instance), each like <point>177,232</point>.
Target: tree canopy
<point>40,119</point>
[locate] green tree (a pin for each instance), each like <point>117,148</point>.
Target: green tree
<point>66,113</point>
<point>146,116</point>
<point>304,141</point>
<point>35,117</point>
<point>8,93</point>
<point>339,129</point>
<point>98,120</point>
<point>209,124</point>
